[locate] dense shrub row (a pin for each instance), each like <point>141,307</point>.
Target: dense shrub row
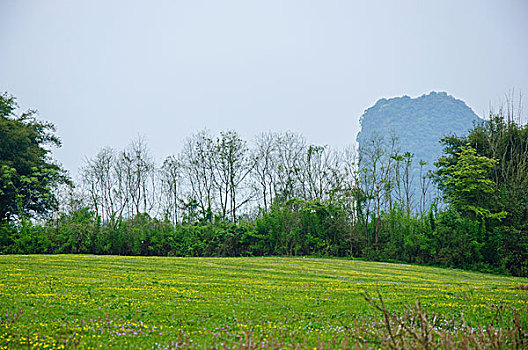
<point>294,228</point>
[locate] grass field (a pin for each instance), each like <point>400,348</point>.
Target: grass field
<point>68,301</point>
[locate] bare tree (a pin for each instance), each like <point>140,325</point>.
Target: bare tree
<point>171,178</point>
<point>375,164</point>
<point>198,164</point>
<point>397,188</point>
<point>264,156</point>
<point>341,187</point>
<point>100,178</point>
<point>232,166</point>
<point>408,180</point>
<point>290,149</point>
<point>71,199</point>
<point>138,167</point>
<point>425,181</point>
<point>320,172</point>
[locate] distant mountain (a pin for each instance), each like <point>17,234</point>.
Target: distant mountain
<point>418,123</point>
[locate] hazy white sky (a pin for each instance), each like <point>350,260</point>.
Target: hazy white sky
<point>106,71</point>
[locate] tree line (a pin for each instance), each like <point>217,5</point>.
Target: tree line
<point>212,178</point>
<point>276,195</point>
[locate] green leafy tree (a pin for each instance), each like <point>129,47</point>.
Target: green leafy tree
<point>28,175</point>
<point>504,138</point>
<point>467,184</point>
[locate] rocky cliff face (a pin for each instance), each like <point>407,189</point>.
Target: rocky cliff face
<point>418,124</point>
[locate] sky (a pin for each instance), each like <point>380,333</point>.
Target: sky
<point>107,71</point>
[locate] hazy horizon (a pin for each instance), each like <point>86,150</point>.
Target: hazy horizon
<point>105,72</point>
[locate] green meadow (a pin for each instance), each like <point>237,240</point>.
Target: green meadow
<point>85,301</point>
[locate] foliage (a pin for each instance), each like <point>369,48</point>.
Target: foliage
<point>28,175</point>
<point>489,181</point>
<point>467,184</point>
<point>223,196</point>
